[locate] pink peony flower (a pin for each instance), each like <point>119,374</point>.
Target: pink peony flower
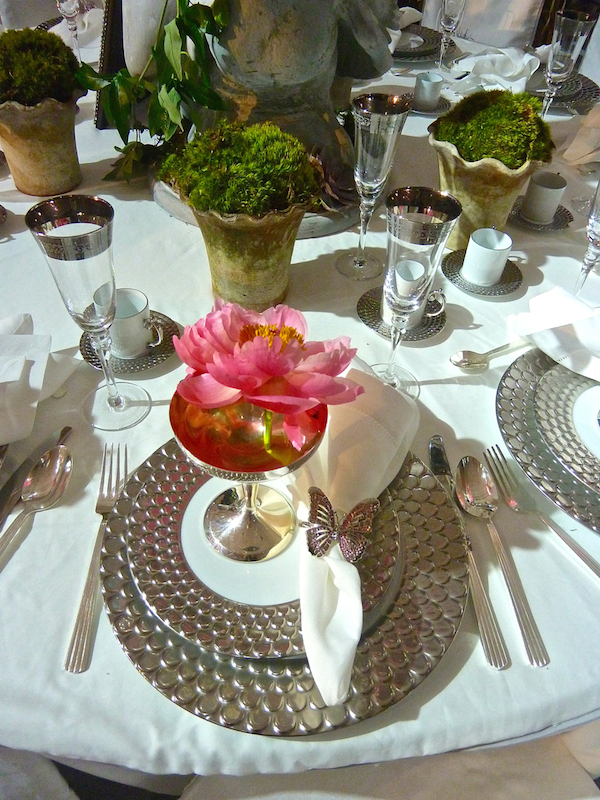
<point>263,358</point>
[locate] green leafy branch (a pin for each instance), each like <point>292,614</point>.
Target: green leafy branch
<point>181,86</point>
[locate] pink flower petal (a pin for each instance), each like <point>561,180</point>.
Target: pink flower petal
<point>204,391</point>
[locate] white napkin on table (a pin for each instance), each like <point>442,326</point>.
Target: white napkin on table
<point>89,29</point>
<point>491,69</point>
<point>366,443</point>
<point>407,16</point>
<point>585,145</point>
<point>573,338</point>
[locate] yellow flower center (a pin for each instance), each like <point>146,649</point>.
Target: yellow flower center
<point>269,332</point>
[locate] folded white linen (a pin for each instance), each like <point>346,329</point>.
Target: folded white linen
<point>407,16</point>
<point>573,339</point>
<point>29,776</point>
<point>23,360</point>
<point>366,443</point>
<point>491,69</point>
<point>584,146</point>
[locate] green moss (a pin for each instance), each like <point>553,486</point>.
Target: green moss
<point>34,65</point>
<point>497,124</point>
<point>234,169</point>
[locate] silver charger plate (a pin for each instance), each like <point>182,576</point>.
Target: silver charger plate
<point>509,282</point>
<point>278,697</point>
<point>554,399</point>
<point>517,422</point>
<point>429,50</point>
<point>369,311</point>
<point>562,218</point>
<point>151,358</point>
<point>183,600</point>
<point>582,98</point>
<point>442,107</point>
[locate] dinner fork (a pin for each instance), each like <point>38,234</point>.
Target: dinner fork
<point>500,472</point>
<point>113,473</point>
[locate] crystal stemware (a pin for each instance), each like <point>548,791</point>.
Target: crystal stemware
<point>419,222</point>
<point>69,10</point>
<point>75,234</point>
<point>592,255</point>
<point>378,119</point>
<point>571,29</point>
<point>246,444</point>
<point>451,12</point>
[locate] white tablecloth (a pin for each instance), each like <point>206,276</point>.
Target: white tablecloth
<point>110,715</point>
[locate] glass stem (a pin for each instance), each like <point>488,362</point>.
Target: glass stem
<point>443,48</point>
<point>548,98</point>
<point>366,212</point>
<point>101,343</point>
<point>398,329</point>
<point>589,262</point>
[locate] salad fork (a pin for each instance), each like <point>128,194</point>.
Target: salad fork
<point>113,474</point>
<point>500,472</point>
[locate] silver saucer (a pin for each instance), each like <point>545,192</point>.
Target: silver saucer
<point>562,218</point>
<point>428,50</point>
<point>509,282</point>
<point>516,419</point>
<point>369,311</point>
<point>151,358</point>
<point>278,697</point>
<point>442,107</point>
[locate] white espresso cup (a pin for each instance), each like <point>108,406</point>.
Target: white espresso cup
<point>543,195</point>
<point>134,329</point>
<point>428,89</point>
<point>486,256</point>
<point>435,299</point>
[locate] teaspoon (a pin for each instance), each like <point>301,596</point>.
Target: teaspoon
<point>43,487</point>
<point>478,495</point>
<point>471,361</point>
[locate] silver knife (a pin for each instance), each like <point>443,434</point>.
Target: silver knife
<point>10,494</point>
<point>490,634</point>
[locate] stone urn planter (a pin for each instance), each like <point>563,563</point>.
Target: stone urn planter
<point>249,257</point>
<point>39,144</point>
<point>486,189</point>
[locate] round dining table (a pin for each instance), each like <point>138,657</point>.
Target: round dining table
<point>111,719</point>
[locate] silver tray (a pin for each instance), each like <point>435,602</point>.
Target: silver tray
<point>369,311</point>
<point>151,358</point>
<point>554,399</point>
<point>278,697</point>
<point>509,282</point>
<point>562,218</point>
<point>183,601</point>
<point>516,420</point>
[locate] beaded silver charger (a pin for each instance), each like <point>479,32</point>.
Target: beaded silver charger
<point>277,696</point>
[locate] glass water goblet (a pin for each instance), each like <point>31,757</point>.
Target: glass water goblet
<point>451,12</point>
<point>378,119</point>
<point>75,234</point>
<point>419,222</point>
<point>592,255</point>
<point>69,10</point>
<point>571,29</point>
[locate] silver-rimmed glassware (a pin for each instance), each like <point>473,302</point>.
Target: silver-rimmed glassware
<point>592,255</point>
<point>378,119</point>
<point>74,233</point>
<point>419,222</point>
<point>571,29</point>
<point>451,12</point>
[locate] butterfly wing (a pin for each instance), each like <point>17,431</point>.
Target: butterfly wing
<point>352,539</point>
<point>321,531</point>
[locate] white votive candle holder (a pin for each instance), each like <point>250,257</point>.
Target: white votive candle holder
<point>542,198</point>
<point>428,90</point>
<point>486,256</point>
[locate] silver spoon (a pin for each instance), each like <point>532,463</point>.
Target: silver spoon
<point>43,487</point>
<point>471,361</point>
<point>478,495</point>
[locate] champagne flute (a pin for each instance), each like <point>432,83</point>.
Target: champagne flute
<point>69,10</point>
<point>571,29</point>
<point>378,119</point>
<point>75,234</point>
<point>592,256</point>
<point>419,222</point>
<point>451,12</point>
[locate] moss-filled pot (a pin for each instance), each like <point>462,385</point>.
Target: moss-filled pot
<point>249,257</point>
<point>486,189</point>
<point>39,145</point>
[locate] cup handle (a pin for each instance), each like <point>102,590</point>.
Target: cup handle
<point>438,297</point>
<point>151,322</point>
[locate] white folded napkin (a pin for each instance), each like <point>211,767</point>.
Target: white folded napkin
<point>573,339</point>
<point>491,69</point>
<point>407,16</point>
<point>366,443</point>
<point>89,29</point>
<point>584,146</point>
